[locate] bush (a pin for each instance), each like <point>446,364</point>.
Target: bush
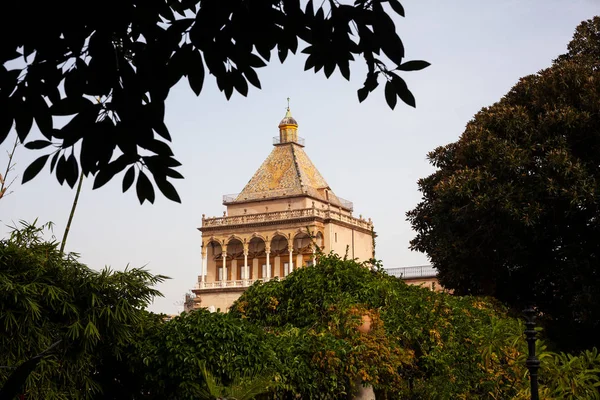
<point>51,301</point>
<point>424,345</point>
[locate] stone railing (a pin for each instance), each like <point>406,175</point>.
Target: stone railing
<point>286,215</point>
<point>229,283</point>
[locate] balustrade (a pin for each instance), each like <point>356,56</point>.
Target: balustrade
<point>229,283</point>
<point>284,215</point>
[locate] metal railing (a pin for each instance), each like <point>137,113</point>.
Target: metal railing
<point>286,215</point>
<point>230,198</point>
<point>335,200</point>
<point>421,271</point>
<point>299,140</point>
<point>346,203</point>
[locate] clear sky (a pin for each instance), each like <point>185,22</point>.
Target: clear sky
<point>368,153</point>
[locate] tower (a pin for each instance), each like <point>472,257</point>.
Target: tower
<point>275,223</point>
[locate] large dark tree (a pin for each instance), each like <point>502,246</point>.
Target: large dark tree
<point>110,65</point>
<point>513,208</point>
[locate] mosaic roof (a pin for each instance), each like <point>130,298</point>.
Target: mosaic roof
<point>287,171</point>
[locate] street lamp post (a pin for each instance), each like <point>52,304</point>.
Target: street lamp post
<point>532,363</point>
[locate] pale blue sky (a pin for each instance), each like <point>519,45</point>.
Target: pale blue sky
<point>368,153</point>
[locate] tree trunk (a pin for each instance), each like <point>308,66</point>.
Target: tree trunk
<point>64,241</point>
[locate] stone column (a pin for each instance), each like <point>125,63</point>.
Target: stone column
<point>245,269</point>
<point>224,256</point>
<point>204,263</point>
<point>291,268</point>
<point>314,251</point>
<point>268,252</point>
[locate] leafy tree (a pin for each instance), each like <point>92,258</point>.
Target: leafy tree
<point>171,358</point>
<point>60,319</point>
<point>512,210</point>
<point>110,67</point>
<point>423,344</point>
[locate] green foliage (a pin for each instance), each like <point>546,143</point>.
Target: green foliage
<point>69,332</point>
<point>423,344</point>
<point>47,298</point>
<point>118,60</point>
<point>572,377</point>
<point>241,387</point>
<point>173,357</point>
<point>512,209</point>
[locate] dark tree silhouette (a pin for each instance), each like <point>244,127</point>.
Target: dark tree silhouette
<point>513,208</point>
<point>110,65</point>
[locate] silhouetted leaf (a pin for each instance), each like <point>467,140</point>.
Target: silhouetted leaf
<point>415,65</point>
<point>177,66</point>
<point>195,71</point>
<point>168,190</point>
<point>34,168</point>
<point>402,91</point>
<point>157,147</point>
<point>75,80</point>
<point>128,178</point>
<point>144,188</point>
<point>310,63</point>
<point>171,162</point>
<point>61,167</point>
<point>23,121</point>
<point>240,83</point>
<point>106,173</point>
<point>6,122</point>
<point>329,68</point>
<point>54,160</point>
<point>172,173</point>
<point>397,7</point>
<point>362,94</point>
<point>70,105</point>
<point>72,171</point>
<point>282,52</point>
<point>160,128</point>
<point>42,115</point>
<point>345,70</point>
<point>252,77</point>
<point>37,144</point>
<point>255,61</point>
<point>390,94</point>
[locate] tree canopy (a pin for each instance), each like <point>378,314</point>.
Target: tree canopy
<point>295,338</point>
<point>512,210</point>
<point>52,305</point>
<point>109,67</point>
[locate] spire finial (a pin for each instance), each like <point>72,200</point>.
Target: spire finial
<point>288,107</point>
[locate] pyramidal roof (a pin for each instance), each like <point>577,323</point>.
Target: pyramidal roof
<point>288,172</point>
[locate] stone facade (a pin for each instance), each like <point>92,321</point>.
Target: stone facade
<point>276,224</point>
